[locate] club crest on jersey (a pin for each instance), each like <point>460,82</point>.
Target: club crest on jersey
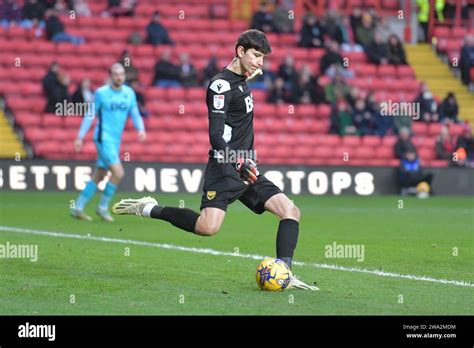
<point>211,195</point>
<point>219,101</point>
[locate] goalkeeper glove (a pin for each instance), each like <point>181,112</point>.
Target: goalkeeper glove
<point>247,169</point>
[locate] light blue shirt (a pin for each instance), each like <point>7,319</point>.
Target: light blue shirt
<point>112,108</point>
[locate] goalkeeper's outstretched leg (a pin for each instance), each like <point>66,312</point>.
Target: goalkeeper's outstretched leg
<point>207,223</point>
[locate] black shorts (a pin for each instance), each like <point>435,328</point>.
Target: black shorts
<point>222,186</point>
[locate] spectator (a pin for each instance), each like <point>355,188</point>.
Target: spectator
<point>365,30</point>
<point>157,34</point>
<point>336,89</point>
<point>353,95</point>
<point>448,110</point>
<point>377,51</point>
<point>263,19</point>
<point>167,74</point>
<point>33,13</point>
<point>62,7</point>
<point>404,144</point>
<point>81,8</point>
<point>384,29</point>
<point>465,147</point>
<point>331,57</point>
<point>304,92</point>
<point>341,120</point>
<point>319,93</point>
<point>58,93</point>
<point>288,73</point>
<point>402,121</point>
<point>424,15</point>
<point>384,124</point>
<point>278,93</point>
<point>362,118</point>
<point>210,70</point>
<point>55,30</point>
<point>444,145</point>
<point>131,71</point>
<point>10,12</point>
<point>410,172</point>
<point>428,106</point>
<point>119,8</point>
<point>140,99</point>
<point>83,93</point>
<point>282,23</point>
<point>312,34</point>
<point>466,61</point>
<point>355,20</point>
<point>332,26</point>
<point>48,4</point>
<point>51,78</point>
<point>187,70</point>
<point>395,51</point>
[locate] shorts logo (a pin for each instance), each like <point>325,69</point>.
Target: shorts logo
<point>219,101</point>
<point>211,195</point>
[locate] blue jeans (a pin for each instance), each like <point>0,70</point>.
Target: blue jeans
<point>63,37</point>
<point>167,83</point>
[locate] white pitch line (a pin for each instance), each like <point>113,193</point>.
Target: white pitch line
<point>225,253</point>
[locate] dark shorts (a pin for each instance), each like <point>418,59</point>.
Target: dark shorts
<point>222,186</point>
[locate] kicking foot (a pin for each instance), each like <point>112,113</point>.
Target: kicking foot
<point>132,206</point>
<point>295,283</point>
<point>104,214</point>
<point>80,215</point>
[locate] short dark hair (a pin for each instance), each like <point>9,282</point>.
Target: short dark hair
<point>253,38</point>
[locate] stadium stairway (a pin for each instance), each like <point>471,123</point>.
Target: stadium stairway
<point>10,145</point>
<point>429,68</point>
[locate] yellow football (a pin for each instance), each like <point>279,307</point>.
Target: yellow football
<point>423,187</point>
<point>273,275</point>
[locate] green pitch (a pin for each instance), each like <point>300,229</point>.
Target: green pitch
<point>426,238</point>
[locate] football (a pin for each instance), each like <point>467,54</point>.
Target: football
<point>273,275</point>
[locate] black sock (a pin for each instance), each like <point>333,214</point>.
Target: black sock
<point>287,238</point>
<point>182,218</point>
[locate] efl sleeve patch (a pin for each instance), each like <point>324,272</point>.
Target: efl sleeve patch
<point>219,101</point>
<point>220,86</point>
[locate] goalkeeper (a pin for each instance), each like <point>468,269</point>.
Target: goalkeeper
<point>231,171</point>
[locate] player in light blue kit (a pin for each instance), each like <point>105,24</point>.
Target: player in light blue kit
<point>113,104</point>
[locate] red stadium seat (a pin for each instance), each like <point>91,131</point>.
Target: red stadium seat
<point>384,152</point>
<point>385,71</point>
<point>324,111</point>
<point>419,128</point>
<point>405,71</point>
<point>427,154</point>
<point>456,129</point>
<point>371,140</point>
<point>389,140</point>
<point>441,32</point>
<point>351,140</point>
<point>434,128</point>
<point>323,152</point>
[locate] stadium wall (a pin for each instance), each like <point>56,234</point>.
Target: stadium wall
<point>43,175</point>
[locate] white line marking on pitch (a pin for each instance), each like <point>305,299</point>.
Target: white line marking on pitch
<point>225,253</point>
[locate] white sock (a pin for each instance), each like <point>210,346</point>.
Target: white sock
<point>147,209</point>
